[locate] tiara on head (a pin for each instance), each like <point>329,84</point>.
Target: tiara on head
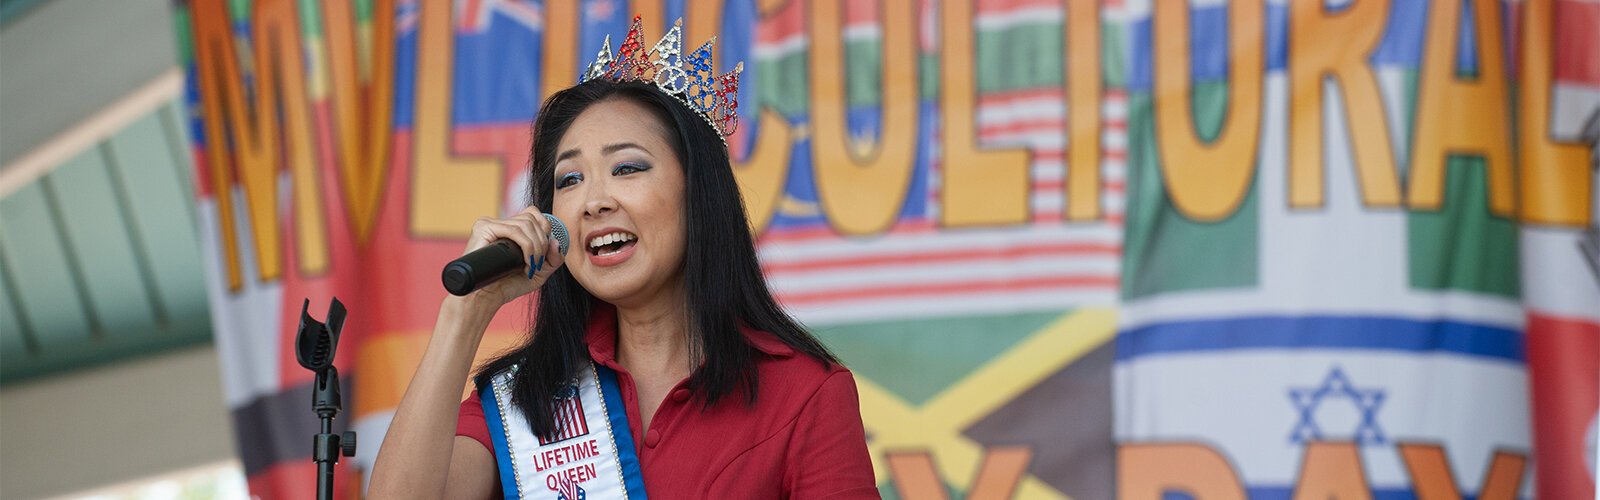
<point>690,80</point>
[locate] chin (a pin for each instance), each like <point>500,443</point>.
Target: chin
<point>614,295</point>
<point>613,287</point>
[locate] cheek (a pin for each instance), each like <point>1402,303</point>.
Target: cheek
<point>570,217</point>
<point>664,217</point>
<point>565,209</point>
<point>678,232</point>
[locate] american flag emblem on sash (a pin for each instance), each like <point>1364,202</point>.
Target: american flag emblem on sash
<point>578,462</point>
<point>569,490</point>
<point>570,422</point>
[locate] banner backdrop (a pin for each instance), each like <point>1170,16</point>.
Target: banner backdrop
<point>1071,249</point>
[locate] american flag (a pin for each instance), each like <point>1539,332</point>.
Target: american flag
<point>570,422</point>
<point>567,489</point>
<point>916,269</point>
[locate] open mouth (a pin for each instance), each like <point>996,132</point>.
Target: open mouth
<point>610,243</point>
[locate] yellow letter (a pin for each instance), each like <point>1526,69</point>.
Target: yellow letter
<point>1337,45</point>
<point>863,197</point>
<point>254,131</point>
<point>279,50</point>
<point>654,18</point>
<point>447,193</point>
<point>219,78</point>
<point>1145,471</point>
<point>363,116</point>
<point>1332,470</point>
<point>1083,110</point>
<point>1431,477</point>
<point>763,170</point>
<point>914,475</point>
<point>979,188</point>
<point>1207,182</point>
<point>1557,183</point>
<point>762,174</point>
<point>560,65</point>
<point>1462,117</point>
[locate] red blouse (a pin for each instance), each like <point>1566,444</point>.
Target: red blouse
<point>801,439</point>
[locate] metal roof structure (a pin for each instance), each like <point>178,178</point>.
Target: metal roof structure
<point>99,259</point>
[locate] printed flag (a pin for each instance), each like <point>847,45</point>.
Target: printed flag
<point>1071,249</point>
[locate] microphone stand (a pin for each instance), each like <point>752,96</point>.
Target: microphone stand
<point>315,343</point>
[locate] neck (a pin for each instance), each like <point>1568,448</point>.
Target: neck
<point>653,338</point>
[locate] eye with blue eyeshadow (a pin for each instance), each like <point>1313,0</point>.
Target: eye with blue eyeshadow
<point>568,179</point>
<point>628,168</point>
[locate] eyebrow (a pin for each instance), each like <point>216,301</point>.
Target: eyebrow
<point>608,149</point>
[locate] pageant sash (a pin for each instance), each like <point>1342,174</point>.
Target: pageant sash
<point>591,458</point>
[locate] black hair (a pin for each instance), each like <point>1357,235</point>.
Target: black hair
<point>723,284</point>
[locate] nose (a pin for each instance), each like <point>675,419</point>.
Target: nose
<point>598,199</point>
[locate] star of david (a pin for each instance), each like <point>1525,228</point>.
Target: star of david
<point>1336,386</point>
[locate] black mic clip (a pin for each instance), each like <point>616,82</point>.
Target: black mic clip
<point>315,344</point>
<point>316,341</point>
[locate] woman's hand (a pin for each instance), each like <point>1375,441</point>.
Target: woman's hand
<point>421,456</point>
<point>541,255</point>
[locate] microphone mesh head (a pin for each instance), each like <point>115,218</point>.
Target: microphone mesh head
<point>558,231</point>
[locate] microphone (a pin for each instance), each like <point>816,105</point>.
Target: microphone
<point>485,265</point>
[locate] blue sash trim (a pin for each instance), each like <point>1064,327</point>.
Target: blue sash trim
<point>627,456</point>
<point>497,434</point>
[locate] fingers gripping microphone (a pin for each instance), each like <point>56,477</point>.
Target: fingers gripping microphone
<point>485,265</point>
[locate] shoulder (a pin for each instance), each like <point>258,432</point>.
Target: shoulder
<point>791,373</point>
<point>470,421</point>
<point>790,382</point>
<point>812,428</point>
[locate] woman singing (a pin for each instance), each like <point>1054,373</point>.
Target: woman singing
<point>659,364</point>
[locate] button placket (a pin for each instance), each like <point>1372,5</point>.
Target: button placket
<point>630,397</point>
<point>652,438</point>
<point>665,414</point>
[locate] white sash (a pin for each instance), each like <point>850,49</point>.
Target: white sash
<point>591,458</point>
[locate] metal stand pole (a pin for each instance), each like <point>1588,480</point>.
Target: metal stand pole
<point>314,347</point>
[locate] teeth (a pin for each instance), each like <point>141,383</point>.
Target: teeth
<point>610,238</point>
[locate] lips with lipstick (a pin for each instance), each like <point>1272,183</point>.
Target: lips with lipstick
<point>610,246</point>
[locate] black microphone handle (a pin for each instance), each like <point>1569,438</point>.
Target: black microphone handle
<point>482,266</point>
<point>494,261</point>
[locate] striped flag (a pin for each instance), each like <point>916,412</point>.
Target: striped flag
<point>569,419</point>
<point>1560,277</point>
<point>1416,342</point>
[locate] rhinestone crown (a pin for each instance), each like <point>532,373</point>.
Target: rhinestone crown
<point>691,80</point>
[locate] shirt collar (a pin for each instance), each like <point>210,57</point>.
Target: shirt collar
<point>602,336</point>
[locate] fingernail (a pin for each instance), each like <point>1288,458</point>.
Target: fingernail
<point>533,267</point>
